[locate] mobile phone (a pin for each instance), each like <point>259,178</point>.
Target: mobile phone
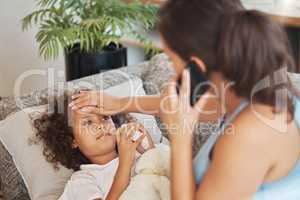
<point>137,135</point>
<point>199,82</point>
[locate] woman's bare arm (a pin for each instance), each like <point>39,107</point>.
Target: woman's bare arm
<point>98,102</point>
<point>182,176</point>
<point>142,104</point>
<point>151,104</point>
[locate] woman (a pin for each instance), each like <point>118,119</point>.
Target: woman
<point>247,55</point>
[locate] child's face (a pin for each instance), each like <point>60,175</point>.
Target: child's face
<point>94,135</point>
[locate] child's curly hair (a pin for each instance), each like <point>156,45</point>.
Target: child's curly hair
<point>54,131</point>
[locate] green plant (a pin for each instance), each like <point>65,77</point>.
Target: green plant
<point>91,23</point>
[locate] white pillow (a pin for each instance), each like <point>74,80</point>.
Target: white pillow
<point>41,180</point>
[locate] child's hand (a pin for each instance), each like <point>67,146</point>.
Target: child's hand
<point>148,140</point>
<point>140,130</point>
<point>127,147</point>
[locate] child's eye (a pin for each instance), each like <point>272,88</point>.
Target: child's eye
<point>106,118</point>
<point>87,122</point>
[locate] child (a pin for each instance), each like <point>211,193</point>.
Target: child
<point>99,151</point>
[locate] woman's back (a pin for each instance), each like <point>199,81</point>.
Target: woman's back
<point>282,146</point>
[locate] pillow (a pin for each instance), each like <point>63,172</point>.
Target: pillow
<point>41,180</point>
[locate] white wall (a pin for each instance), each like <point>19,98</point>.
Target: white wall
<point>290,8</point>
<point>19,51</point>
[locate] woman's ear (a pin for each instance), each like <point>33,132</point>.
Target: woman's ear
<point>200,63</point>
<point>74,144</point>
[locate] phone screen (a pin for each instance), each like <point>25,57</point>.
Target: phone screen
<point>199,83</point>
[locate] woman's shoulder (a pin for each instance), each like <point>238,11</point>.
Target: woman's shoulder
<point>260,122</point>
<point>243,151</point>
<point>259,133</point>
<point>250,135</point>
<point>260,142</point>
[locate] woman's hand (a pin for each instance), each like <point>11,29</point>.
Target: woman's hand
<point>180,118</point>
<point>97,102</point>
<point>176,112</point>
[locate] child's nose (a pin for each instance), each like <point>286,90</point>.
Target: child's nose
<point>100,127</point>
<point>103,129</point>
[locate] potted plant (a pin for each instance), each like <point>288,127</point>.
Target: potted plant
<point>89,32</point>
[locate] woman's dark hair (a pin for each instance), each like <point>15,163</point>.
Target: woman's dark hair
<point>54,131</point>
<point>191,27</point>
<point>246,46</point>
<point>253,48</point>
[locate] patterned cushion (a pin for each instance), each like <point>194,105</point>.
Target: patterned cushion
<point>12,183</point>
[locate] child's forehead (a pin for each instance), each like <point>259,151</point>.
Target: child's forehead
<point>77,115</point>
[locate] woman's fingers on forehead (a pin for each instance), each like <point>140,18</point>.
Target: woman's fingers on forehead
<point>80,94</point>
<point>86,90</point>
<point>79,103</point>
<point>85,108</point>
<point>75,96</point>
